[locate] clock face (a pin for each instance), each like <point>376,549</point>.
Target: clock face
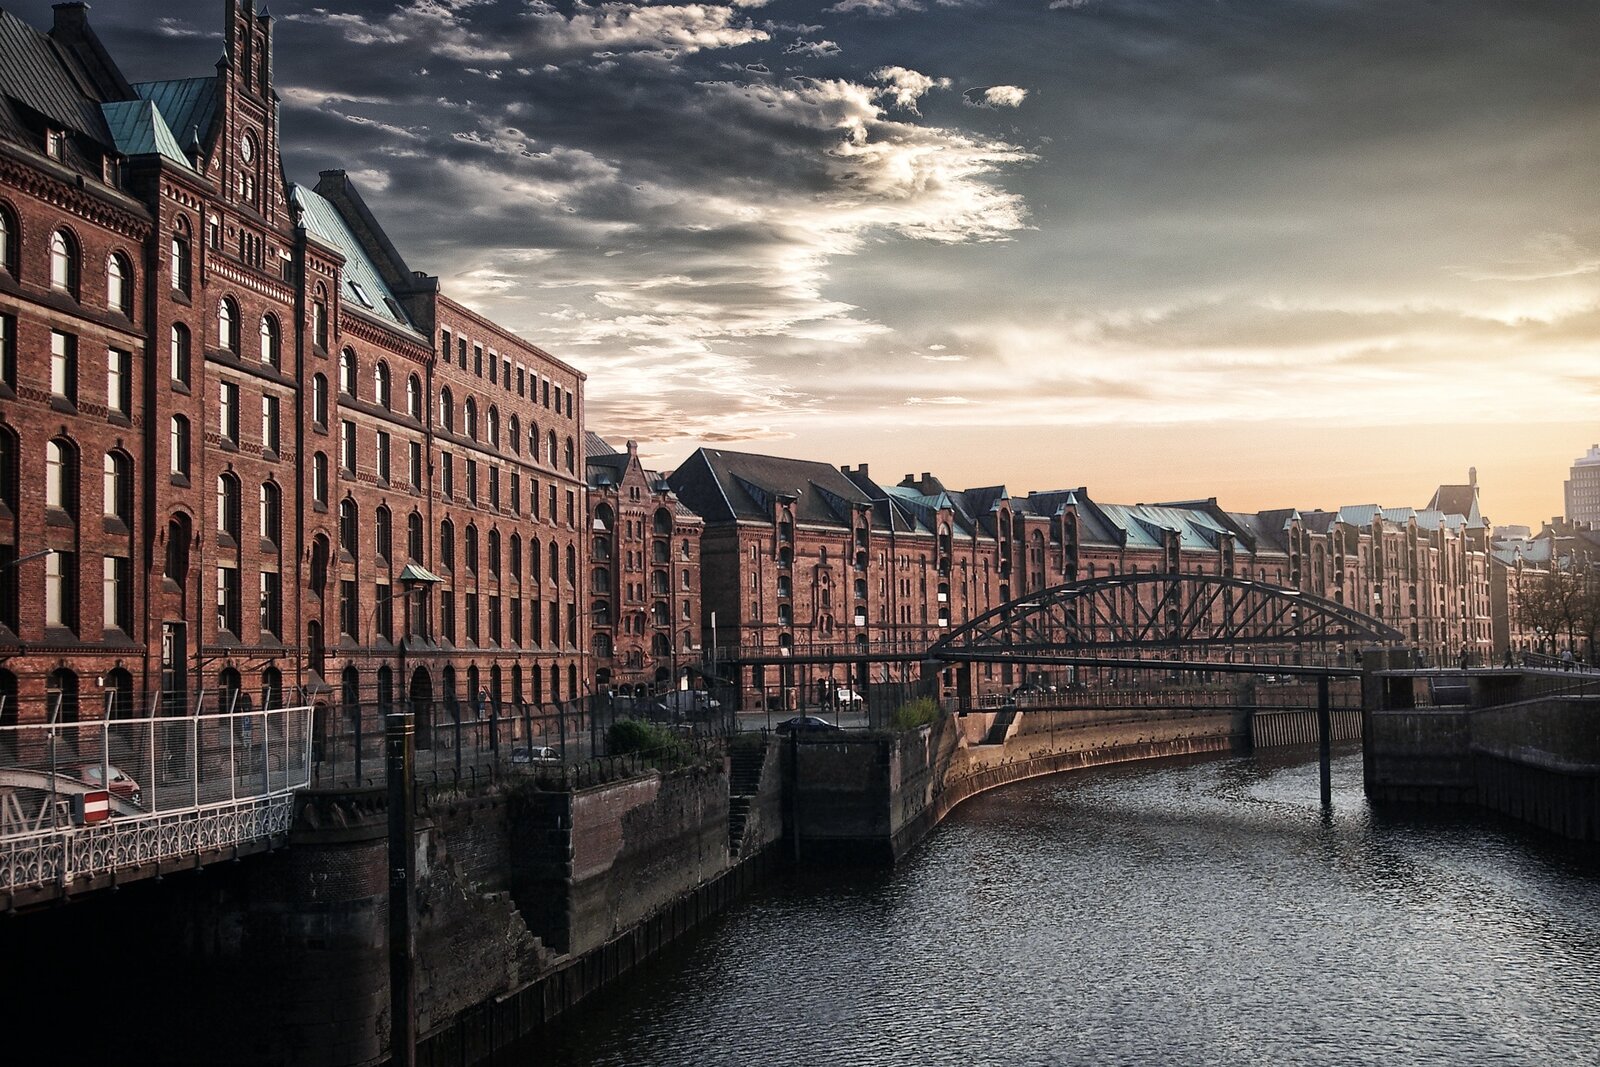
<point>247,148</point>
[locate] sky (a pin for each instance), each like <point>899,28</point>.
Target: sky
<point>1282,252</point>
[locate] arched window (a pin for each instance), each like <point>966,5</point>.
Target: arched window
<point>571,455</point>
<point>447,545</point>
<point>319,479</point>
<point>514,556</point>
<point>178,446</point>
<point>319,563</point>
<point>178,257</point>
<point>554,563</point>
<point>550,452</point>
<point>533,441</point>
<point>380,383</point>
<point>414,546</point>
<point>447,411</point>
<point>349,527</point>
<point>177,567</point>
<point>63,262</point>
<point>271,342</point>
<point>118,684</point>
<point>347,372</point>
<point>119,284</point>
<point>469,417</point>
<point>414,397</point>
<point>319,400</point>
<point>228,504</point>
<point>494,426</point>
<point>119,487</point>
<point>271,512</point>
<point>385,532</point>
<point>469,548</point>
<point>228,325</point>
<point>61,476</point>
<point>319,318</point>
<point>271,689</point>
<point>514,434</point>
<point>10,239</point>
<point>61,700</point>
<point>572,565</point>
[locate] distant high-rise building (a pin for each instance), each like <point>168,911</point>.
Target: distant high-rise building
<point>1583,488</point>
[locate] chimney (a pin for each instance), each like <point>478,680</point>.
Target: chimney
<point>70,18</point>
<point>633,448</point>
<point>1472,477</point>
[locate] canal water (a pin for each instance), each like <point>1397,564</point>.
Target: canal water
<point>1200,912</point>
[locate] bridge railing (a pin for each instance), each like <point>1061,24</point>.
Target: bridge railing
<point>90,797</point>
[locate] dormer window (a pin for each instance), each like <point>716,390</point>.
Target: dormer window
<point>361,294</point>
<point>55,144</point>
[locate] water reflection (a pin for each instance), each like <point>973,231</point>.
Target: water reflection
<point>1189,913</point>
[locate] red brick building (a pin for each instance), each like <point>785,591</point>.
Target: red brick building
<point>644,576</point>
<point>247,455</point>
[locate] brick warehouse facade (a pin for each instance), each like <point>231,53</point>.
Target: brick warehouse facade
<point>800,555</point>
<point>244,449</point>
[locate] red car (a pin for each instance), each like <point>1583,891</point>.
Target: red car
<point>120,784</point>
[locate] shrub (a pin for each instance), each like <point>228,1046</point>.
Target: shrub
<point>657,743</point>
<point>912,714</point>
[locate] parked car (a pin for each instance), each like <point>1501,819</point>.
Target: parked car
<point>680,704</point>
<point>848,698</point>
<point>120,785</point>
<point>535,754</point>
<point>807,724</point>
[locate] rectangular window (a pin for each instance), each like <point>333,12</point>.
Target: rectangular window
<point>558,400</point>
<point>572,625</point>
<point>546,392</point>
<point>349,609</point>
<point>119,380</point>
<point>522,380</point>
<point>8,350</point>
<point>535,623</point>
<point>505,374</point>
<point>533,497</point>
<point>383,613</point>
<point>494,487</point>
<point>516,623</point>
<point>271,603</point>
<point>494,365</point>
<point>271,431</point>
<point>555,624</point>
<point>515,493</point>
<point>119,594</point>
<point>572,508</point>
<point>383,456</point>
<point>447,615</point>
<point>494,619</point>
<point>228,600</point>
<point>414,465</point>
<point>444,344</point>
<point>64,365</point>
<point>461,352</point>
<point>447,475</point>
<point>60,590</point>
<point>554,515</point>
<point>472,618</point>
<point>477,360</point>
<point>228,412</point>
<point>472,480</point>
<point>347,446</point>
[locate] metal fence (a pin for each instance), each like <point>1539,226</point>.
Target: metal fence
<point>82,798</point>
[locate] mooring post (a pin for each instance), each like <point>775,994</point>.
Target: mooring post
<point>398,734</point>
<point>794,792</point>
<point>1325,740</point>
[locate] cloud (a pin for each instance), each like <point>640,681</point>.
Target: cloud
<point>811,48</point>
<point>672,28</point>
<point>995,96</point>
<point>905,87</point>
<point>882,8</point>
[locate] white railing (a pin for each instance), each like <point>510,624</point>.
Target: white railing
<point>170,787</point>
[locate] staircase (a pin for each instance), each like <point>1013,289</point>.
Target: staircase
<point>1002,724</point>
<point>744,782</point>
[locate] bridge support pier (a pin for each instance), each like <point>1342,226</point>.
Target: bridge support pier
<point>1325,741</point>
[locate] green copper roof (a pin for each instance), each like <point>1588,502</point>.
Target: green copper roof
<point>363,285</point>
<point>187,104</point>
<point>139,130</point>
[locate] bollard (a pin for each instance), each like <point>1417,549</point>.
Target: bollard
<point>398,739</point>
<point>1325,740</point>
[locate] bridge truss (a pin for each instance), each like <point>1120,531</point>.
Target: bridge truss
<point>1200,620</point>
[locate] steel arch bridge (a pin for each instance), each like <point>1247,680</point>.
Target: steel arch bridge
<point>1173,616</point>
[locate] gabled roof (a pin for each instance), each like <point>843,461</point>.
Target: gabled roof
<point>360,276</point>
<point>723,486</point>
<point>38,73</point>
<point>138,129</point>
<point>1459,500</point>
<point>189,105</point>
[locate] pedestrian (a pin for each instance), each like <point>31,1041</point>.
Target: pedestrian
<point>1567,661</point>
<point>1508,656</point>
<point>1466,659</point>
